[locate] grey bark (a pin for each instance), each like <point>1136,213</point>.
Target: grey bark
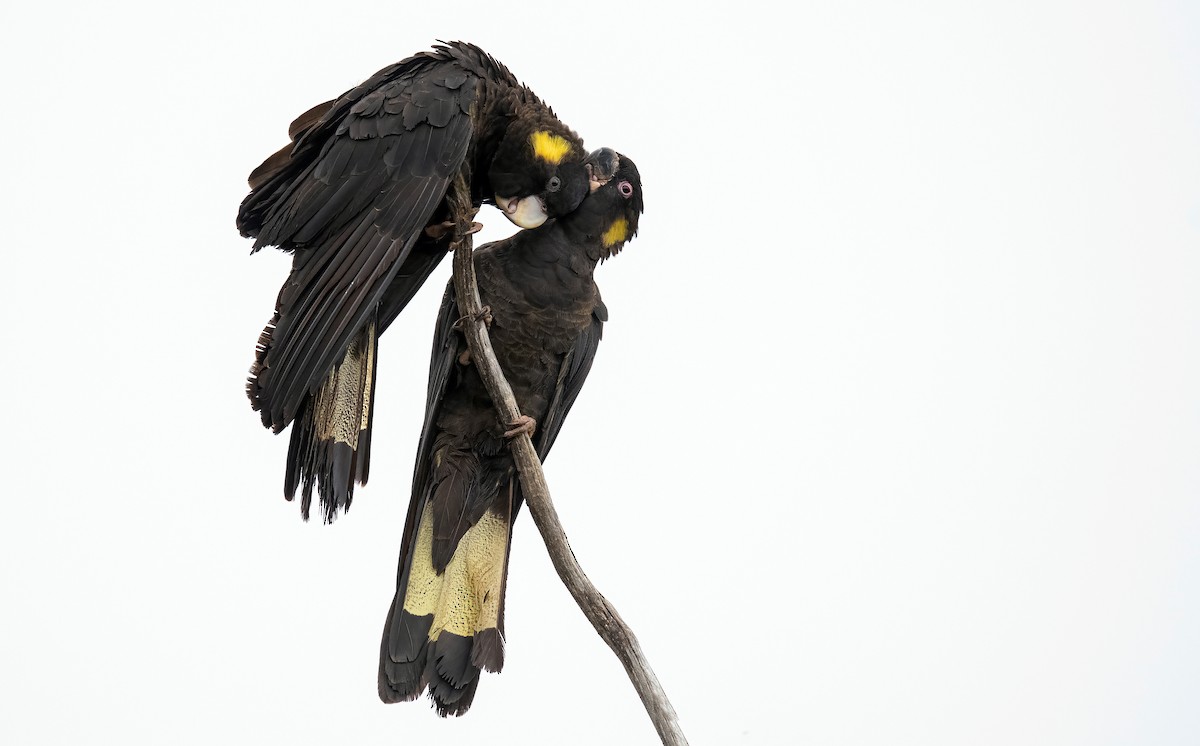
<point>611,628</point>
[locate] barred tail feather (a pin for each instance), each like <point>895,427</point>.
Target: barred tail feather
<point>331,436</point>
<point>445,625</point>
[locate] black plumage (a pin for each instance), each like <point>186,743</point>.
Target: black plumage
<point>359,196</point>
<point>446,619</point>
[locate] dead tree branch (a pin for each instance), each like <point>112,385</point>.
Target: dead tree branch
<point>598,610</point>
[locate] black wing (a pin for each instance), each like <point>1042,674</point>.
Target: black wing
<point>574,371</point>
<point>441,366</point>
<point>576,365</point>
<point>363,178</point>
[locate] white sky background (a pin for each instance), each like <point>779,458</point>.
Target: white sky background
<point>893,437</point>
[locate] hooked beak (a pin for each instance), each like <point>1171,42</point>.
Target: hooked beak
<point>528,212</point>
<point>601,166</point>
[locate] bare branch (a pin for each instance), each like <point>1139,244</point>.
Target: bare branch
<point>598,610</point>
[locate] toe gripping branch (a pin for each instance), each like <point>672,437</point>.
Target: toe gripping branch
<point>438,231</point>
<point>484,314</point>
<point>524,424</point>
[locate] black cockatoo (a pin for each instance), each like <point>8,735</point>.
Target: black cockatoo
<point>446,619</point>
<point>360,196</point>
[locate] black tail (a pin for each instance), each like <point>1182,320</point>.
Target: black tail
<point>446,622</point>
<point>331,436</point>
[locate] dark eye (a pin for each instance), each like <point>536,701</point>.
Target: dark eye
<point>626,189</point>
<point>554,184</point>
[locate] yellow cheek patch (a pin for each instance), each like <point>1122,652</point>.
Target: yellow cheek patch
<point>550,147</point>
<point>616,233</point>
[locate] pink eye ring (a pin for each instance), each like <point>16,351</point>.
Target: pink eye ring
<point>625,188</point>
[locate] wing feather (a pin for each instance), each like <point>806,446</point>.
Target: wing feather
<point>574,371</point>
<point>441,365</point>
<point>353,214</point>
